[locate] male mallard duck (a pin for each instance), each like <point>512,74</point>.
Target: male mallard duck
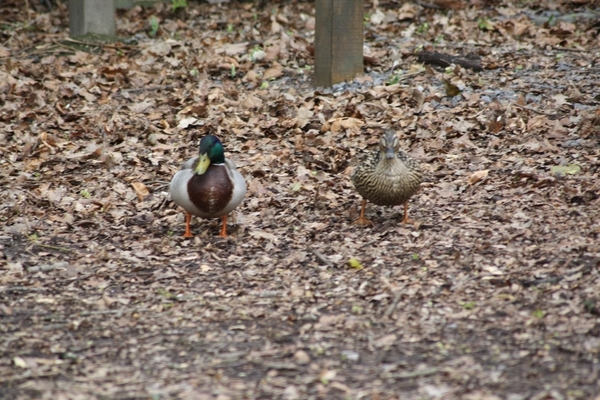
<point>208,186</point>
<point>387,177</point>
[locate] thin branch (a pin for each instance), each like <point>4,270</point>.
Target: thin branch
<point>48,246</point>
<point>58,248</point>
<point>394,304</point>
<point>45,268</point>
<point>415,374</point>
<point>28,375</point>
<point>92,44</point>
<point>568,49</point>
<point>534,110</point>
<point>322,258</point>
<point>149,88</point>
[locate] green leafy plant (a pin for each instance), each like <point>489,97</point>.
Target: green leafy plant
<point>256,53</point>
<point>85,193</point>
<point>539,314</point>
<point>484,24</point>
<point>424,27</point>
<point>179,4</point>
<point>154,25</point>
<point>356,309</point>
<point>165,293</point>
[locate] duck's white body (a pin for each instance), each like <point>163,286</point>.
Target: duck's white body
<point>211,204</point>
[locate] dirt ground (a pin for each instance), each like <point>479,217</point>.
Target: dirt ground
<point>494,293</point>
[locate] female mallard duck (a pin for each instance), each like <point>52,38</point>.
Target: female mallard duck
<point>208,186</point>
<point>387,177</point>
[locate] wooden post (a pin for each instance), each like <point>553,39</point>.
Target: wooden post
<point>338,41</point>
<point>91,16</point>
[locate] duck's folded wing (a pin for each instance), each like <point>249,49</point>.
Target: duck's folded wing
<point>179,191</point>
<point>189,163</point>
<point>230,164</point>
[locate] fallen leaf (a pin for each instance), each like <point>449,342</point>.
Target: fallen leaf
<point>264,235</point>
<point>274,72</point>
<point>141,190</point>
<point>570,169</point>
<point>477,176</point>
<point>451,89</point>
<point>386,341</point>
<point>326,376</point>
<point>377,17</point>
<point>20,362</point>
<point>251,101</point>
<point>186,122</point>
<point>232,49</point>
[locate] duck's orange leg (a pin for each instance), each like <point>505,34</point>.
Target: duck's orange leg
<point>188,220</point>
<point>406,220</point>
<point>362,220</point>
<point>223,233</point>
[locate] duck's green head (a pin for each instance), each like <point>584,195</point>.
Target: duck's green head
<point>211,151</point>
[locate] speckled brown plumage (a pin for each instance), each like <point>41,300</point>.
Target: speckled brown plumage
<point>387,177</point>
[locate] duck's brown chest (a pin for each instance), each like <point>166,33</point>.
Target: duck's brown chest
<point>211,192</point>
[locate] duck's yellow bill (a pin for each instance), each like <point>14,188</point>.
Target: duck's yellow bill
<point>202,165</point>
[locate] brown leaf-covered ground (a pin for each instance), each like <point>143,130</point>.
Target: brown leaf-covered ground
<point>493,294</point>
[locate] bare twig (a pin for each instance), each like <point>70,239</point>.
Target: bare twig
<point>29,376</point>
<point>100,312</point>
<point>120,93</point>
<point>429,5</point>
<point>45,268</point>
<point>414,374</point>
<point>93,44</point>
<point>22,289</point>
<point>149,88</point>
<point>567,49</point>
<point>394,304</point>
<point>534,110</point>
<point>322,258</point>
<point>58,248</point>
